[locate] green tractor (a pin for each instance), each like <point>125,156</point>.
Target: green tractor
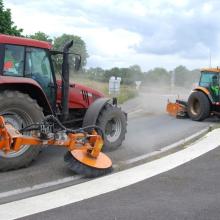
<point>203,101</point>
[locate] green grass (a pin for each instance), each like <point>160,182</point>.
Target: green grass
<point>126,92</point>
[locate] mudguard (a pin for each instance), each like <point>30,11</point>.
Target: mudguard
<point>93,111</point>
<point>205,91</point>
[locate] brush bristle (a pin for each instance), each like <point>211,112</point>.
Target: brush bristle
<point>83,169</point>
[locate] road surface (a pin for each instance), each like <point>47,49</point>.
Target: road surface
<point>190,192</point>
<point>182,185</point>
<point>146,133</point>
<point>149,130</point>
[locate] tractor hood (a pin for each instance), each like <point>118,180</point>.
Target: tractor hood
<point>80,96</point>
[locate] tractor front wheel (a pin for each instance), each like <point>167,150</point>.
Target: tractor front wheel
<point>113,122</point>
<point>19,110</point>
<point>198,107</point>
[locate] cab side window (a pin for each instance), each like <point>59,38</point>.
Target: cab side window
<point>13,60</point>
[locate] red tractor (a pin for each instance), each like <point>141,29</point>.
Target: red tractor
<point>29,91</point>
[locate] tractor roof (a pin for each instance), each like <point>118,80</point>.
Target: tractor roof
<point>214,70</point>
<point>6,39</point>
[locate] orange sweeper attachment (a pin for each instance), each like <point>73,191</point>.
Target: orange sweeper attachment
<point>177,109</point>
<point>84,145</point>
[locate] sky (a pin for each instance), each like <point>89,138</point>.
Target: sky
<point>150,33</point>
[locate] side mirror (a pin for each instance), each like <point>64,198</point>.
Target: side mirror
<point>77,62</point>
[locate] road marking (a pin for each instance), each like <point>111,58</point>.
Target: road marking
<point>126,162</point>
<point>167,148</point>
<point>76,193</point>
<point>134,109</point>
<point>39,186</point>
<point>134,112</point>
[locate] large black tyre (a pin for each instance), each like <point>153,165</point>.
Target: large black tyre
<point>198,107</point>
<point>19,110</point>
<point>113,122</point>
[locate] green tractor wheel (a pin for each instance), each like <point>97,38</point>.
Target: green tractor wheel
<point>198,107</point>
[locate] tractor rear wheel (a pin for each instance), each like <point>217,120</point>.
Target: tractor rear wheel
<point>19,110</point>
<point>198,107</point>
<point>113,122</point>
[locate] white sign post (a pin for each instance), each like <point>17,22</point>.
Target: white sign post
<point>114,86</point>
<point>138,83</point>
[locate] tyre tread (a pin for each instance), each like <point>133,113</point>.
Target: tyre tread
<point>32,153</point>
<point>107,109</point>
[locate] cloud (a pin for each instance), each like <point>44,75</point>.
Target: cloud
<point>127,32</point>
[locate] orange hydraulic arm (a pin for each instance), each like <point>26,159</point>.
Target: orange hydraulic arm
<point>12,140</point>
<point>84,156</point>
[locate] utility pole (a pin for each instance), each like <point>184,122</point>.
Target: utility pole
<point>172,80</point>
<point>210,59</point>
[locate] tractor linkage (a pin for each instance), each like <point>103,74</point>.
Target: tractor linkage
<point>84,145</point>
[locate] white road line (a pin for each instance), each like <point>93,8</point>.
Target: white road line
<point>134,109</point>
<point>134,112</point>
<point>167,148</point>
<point>77,177</point>
<point>76,193</point>
<point>39,186</point>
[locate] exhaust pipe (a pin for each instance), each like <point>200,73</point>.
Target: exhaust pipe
<point>65,81</point>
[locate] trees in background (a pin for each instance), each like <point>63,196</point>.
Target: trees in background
<point>184,77</point>
<point>6,24</point>
<point>157,76</point>
<point>129,75</point>
<point>181,75</point>
<point>40,36</point>
<point>79,46</point>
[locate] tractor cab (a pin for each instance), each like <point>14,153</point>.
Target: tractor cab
<point>29,62</point>
<point>210,80</point>
<point>27,58</point>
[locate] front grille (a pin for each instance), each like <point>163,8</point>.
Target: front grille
<point>85,96</point>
